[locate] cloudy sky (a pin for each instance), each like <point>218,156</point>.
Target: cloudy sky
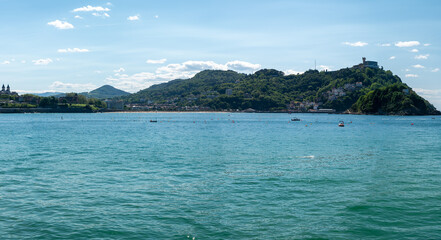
<point>80,45</point>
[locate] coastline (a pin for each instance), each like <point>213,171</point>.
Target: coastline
<point>50,110</point>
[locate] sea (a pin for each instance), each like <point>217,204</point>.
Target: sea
<point>219,176</point>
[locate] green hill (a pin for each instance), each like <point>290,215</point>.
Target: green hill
<point>105,91</point>
<point>396,99</point>
<point>203,84</point>
<point>271,90</point>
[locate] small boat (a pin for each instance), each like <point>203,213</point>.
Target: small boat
<point>341,124</point>
<point>152,121</point>
<point>295,119</point>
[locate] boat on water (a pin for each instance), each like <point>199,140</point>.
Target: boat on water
<point>295,119</point>
<point>153,121</point>
<point>341,124</point>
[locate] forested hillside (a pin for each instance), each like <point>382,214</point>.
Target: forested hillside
<point>272,90</point>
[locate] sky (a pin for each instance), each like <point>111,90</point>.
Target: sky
<point>77,46</point>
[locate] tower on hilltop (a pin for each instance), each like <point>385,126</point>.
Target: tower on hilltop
<point>366,64</point>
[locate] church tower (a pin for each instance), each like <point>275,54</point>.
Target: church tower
<point>8,89</point>
<point>3,88</point>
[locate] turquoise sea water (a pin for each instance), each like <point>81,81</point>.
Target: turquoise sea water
<point>203,176</point>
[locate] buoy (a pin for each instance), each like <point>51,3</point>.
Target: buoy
<point>411,124</point>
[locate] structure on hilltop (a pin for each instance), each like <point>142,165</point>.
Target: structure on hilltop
<point>366,64</point>
<point>7,91</point>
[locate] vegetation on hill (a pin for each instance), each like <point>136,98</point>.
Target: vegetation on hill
<point>71,101</point>
<point>105,91</point>
<point>203,84</point>
<point>396,99</point>
<point>271,90</point>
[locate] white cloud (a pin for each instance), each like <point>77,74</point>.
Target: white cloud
<point>242,66</point>
<point>71,87</point>
<point>5,62</point>
<point>407,44</point>
<point>89,8</point>
<point>61,24</point>
<point>426,44</point>
<point>133,18</point>
<point>104,15</point>
<point>192,67</point>
<point>324,67</point>
<point>156,16</point>
<point>109,4</point>
<point>159,61</point>
<point>392,58</point>
<point>189,67</point>
<point>292,72</point>
<point>435,70</point>
<point>385,45</point>
<point>23,61</point>
<point>72,50</point>
<point>32,91</point>
<point>411,76</point>
<point>418,66</point>
<point>135,82</point>
<point>119,70</point>
<point>356,44</point>
<point>422,56</point>
<point>427,91</point>
<point>169,72</point>
<point>407,70</point>
<point>43,61</point>
<point>414,50</point>
<point>78,17</point>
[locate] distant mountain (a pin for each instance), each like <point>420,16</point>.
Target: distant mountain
<point>48,94</point>
<point>105,91</point>
<point>358,89</point>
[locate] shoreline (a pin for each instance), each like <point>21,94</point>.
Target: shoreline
<point>48,110</point>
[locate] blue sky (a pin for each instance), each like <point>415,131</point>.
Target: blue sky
<point>81,45</point>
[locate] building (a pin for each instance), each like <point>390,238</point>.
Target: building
<point>367,64</point>
<point>115,104</point>
<point>229,92</point>
<point>349,86</point>
<point>7,91</point>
